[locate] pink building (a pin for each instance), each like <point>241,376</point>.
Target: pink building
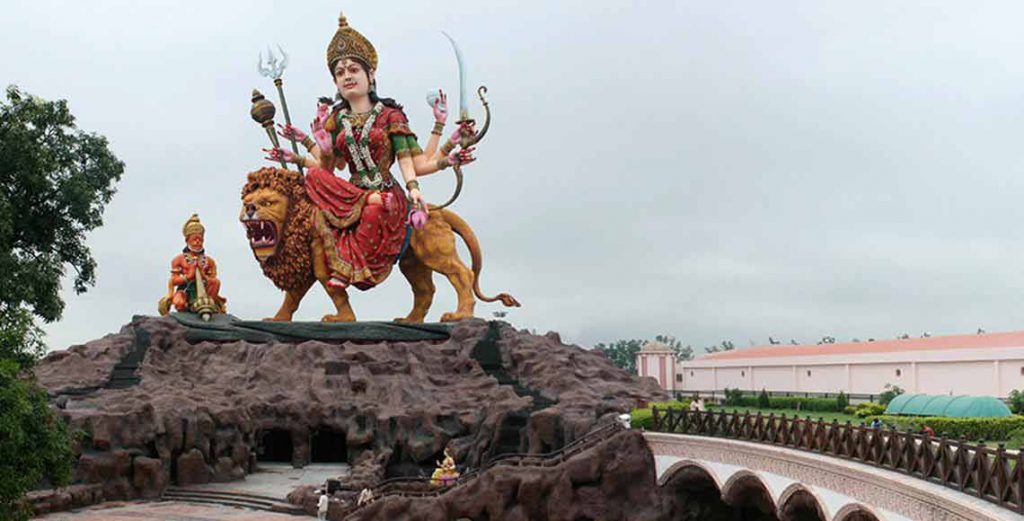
<point>984,364</point>
<point>659,362</point>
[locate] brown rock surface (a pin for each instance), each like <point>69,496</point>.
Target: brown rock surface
<point>202,409</point>
<point>611,481</point>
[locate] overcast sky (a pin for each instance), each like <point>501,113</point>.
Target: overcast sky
<point>711,170</point>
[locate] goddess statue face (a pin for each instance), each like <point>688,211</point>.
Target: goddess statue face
<point>352,79</point>
<point>195,242</point>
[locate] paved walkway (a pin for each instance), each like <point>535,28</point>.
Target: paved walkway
<point>276,480</point>
<point>166,511</point>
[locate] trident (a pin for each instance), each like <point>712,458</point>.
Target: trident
<point>274,69</point>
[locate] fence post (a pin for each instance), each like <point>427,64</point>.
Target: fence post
<point>655,419</point>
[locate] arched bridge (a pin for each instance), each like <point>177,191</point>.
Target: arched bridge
<point>798,472</point>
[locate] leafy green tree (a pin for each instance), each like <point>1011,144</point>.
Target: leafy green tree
<point>1017,402</point>
<point>726,345</point>
<point>682,352</point>
<point>890,391</point>
<point>54,182</point>
<point>842,401</point>
<point>33,441</point>
<point>622,353</point>
<point>763,401</point>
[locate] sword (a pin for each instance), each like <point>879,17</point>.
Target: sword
<point>468,138</point>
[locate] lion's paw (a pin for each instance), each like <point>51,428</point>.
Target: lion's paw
<point>455,316</point>
<point>337,318</point>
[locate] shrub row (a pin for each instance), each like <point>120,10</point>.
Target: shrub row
<point>974,429</point>
<point>787,402</point>
<point>644,417</point>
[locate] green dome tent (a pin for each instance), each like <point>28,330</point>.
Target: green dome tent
<point>951,406</point>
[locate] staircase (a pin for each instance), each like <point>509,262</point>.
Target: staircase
<point>231,499</point>
<point>488,355</point>
<point>124,373</point>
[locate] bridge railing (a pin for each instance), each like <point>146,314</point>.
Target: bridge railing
<point>989,473</point>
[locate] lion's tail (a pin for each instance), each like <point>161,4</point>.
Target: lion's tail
<point>462,228</point>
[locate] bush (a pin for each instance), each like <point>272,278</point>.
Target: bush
<point>842,401</point>
<point>973,429</point>
<point>804,404</point>
<point>890,392</point>
<point>644,417</point>
<point>863,410</point>
<point>763,401</point>
<point>1015,440</point>
<point>734,397</point>
<point>1016,402</point>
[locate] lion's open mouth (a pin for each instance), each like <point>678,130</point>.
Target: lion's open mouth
<point>262,234</point>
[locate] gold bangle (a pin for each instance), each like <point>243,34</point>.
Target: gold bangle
<point>438,128</point>
<point>308,143</point>
<point>447,148</point>
<point>443,163</point>
<point>412,185</point>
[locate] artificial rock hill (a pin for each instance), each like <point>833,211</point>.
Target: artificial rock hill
<point>162,403</point>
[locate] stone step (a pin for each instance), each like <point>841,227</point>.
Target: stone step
<point>232,499</point>
<point>222,493</point>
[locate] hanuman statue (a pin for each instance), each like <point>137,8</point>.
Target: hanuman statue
<point>193,285</point>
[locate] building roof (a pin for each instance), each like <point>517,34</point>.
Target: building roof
<point>952,406</point>
<point>939,343</point>
<point>655,347</point>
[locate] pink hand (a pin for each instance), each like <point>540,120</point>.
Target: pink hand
<point>462,157</point>
<point>290,132</point>
<point>280,154</point>
<point>441,108</point>
<point>322,113</point>
<point>323,140</point>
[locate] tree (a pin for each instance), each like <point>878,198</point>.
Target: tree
<point>622,353</point>
<point>726,345</point>
<point>54,182</point>
<point>673,343</point>
<point>33,441</point>
<point>890,391</point>
<point>763,401</point>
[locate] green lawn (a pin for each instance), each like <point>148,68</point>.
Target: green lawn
<point>826,416</point>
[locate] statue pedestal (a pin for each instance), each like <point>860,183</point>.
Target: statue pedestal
<point>228,328</point>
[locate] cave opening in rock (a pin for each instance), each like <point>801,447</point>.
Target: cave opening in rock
<point>328,446</point>
<point>275,446</point>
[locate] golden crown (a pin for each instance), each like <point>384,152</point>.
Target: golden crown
<point>348,43</point>
<point>193,226</point>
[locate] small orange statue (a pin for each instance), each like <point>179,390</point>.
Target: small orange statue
<point>445,474</point>
<point>189,288</point>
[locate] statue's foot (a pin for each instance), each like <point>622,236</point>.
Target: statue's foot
<point>338,318</point>
<point>453,316</point>
<point>409,320</point>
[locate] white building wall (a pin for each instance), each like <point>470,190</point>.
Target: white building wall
<point>733,378</point>
<point>1011,376</point>
<point>977,371</point>
<point>821,378</point>
<point>974,378</point>
<point>699,379</point>
<point>773,378</point>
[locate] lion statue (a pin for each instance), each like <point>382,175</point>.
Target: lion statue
<point>279,221</point>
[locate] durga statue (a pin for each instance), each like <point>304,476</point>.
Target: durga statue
<point>361,226</point>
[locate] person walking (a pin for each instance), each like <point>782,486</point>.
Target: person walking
<point>321,506</point>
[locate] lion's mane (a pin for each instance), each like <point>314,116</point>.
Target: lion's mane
<point>291,266</point>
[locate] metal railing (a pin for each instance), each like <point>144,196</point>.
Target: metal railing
<point>421,486</point>
<point>991,474</point>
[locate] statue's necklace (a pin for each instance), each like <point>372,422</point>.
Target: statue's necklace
<point>360,151</point>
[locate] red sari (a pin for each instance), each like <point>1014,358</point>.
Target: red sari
<point>367,238</point>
